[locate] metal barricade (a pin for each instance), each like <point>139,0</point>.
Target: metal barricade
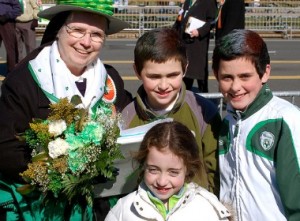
<point>143,18</point>
<point>281,20</point>
<point>259,17</point>
<point>285,20</point>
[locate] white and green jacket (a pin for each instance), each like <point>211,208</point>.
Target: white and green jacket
<point>259,153</point>
<point>193,203</point>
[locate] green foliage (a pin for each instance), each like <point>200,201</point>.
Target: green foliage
<point>70,149</point>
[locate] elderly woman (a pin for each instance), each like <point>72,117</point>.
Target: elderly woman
<point>66,64</point>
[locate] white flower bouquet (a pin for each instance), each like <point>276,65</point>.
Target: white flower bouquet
<point>71,148</point>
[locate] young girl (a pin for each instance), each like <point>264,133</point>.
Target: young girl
<point>169,158</point>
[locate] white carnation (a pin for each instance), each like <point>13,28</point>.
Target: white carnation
<point>57,148</point>
<point>57,127</point>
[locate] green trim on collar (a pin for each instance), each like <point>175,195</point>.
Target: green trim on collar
<point>52,97</point>
<point>96,105</point>
<point>48,95</point>
<point>262,98</point>
<point>146,113</point>
<point>172,201</point>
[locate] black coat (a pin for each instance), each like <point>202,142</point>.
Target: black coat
<point>197,48</point>
<point>232,17</point>
<point>21,101</point>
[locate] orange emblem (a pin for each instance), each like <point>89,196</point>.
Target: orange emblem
<point>110,93</point>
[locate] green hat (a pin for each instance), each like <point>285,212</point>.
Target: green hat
<point>99,7</point>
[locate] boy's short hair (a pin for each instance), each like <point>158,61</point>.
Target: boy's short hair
<point>241,43</point>
<point>179,140</point>
<point>159,45</point>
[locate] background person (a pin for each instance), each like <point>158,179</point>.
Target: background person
<point>197,41</point>
<point>231,16</point>
<point>168,160</point>
<point>259,143</point>
<point>25,27</point>
<point>9,10</point>
<point>51,72</point>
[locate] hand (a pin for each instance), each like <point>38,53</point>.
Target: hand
<point>194,33</point>
<point>34,24</point>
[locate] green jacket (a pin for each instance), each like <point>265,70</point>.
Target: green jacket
<point>32,208</point>
<point>196,112</point>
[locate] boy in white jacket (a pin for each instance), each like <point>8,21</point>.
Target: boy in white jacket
<point>259,142</point>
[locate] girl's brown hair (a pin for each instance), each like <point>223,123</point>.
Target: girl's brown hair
<point>179,139</point>
<point>159,45</point>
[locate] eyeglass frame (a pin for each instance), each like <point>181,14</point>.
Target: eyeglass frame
<point>71,30</point>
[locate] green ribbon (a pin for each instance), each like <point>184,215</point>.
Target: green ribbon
<point>103,6</point>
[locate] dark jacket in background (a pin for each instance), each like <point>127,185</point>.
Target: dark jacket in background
<point>197,48</point>
<point>232,17</point>
<point>9,10</point>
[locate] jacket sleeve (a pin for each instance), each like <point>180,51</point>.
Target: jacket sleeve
<point>35,8</point>
<point>123,96</point>
<point>15,10</point>
<point>111,217</point>
<point>21,100</point>
<point>210,133</point>
<point>287,161</point>
<point>210,153</point>
<point>14,119</point>
<point>209,122</point>
<point>115,213</point>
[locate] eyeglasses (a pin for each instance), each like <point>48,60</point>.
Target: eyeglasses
<point>80,33</point>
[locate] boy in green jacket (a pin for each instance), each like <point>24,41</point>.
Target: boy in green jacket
<point>160,63</point>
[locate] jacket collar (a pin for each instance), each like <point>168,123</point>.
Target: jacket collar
<point>262,98</point>
<point>146,113</point>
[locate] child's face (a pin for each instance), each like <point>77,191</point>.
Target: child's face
<point>164,173</point>
<point>162,82</point>
<point>239,82</point>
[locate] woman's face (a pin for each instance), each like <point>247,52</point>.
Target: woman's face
<point>76,52</point>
